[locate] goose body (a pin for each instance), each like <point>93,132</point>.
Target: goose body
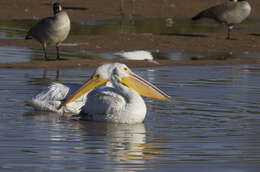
<point>229,13</point>
<point>112,94</point>
<point>51,30</point>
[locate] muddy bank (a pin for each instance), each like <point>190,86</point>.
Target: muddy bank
<point>208,42</point>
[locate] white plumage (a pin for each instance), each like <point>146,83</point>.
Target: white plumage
<point>113,105</point>
<point>53,96</point>
<point>135,55</point>
<point>111,94</point>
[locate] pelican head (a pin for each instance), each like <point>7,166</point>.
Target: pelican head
<point>118,74</point>
<point>125,76</point>
<point>99,77</point>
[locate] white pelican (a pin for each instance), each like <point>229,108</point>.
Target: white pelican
<point>112,94</point>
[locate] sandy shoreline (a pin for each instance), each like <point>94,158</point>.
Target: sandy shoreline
<point>245,41</point>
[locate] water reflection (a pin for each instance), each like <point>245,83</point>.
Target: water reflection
<point>126,143</point>
<point>213,122</point>
<point>57,77</point>
<point>123,144</point>
<point>16,29</point>
<point>47,77</point>
<point>20,54</point>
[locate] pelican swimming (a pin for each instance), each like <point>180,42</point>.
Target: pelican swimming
<point>112,94</point>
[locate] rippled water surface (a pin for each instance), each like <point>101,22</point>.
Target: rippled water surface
<point>211,124</point>
<point>23,54</point>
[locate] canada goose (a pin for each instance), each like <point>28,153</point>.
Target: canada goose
<point>229,13</point>
<point>51,30</point>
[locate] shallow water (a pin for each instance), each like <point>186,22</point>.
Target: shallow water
<point>23,54</point>
<point>17,29</point>
<point>211,123</point>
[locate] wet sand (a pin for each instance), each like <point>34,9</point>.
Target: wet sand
<point>107,9</point>
<point>132,63</point>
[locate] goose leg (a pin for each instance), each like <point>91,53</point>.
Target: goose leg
<point>45,53</point>
<point>230,27</point>
<point>58,52</point>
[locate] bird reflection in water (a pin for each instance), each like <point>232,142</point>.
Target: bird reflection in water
<point>118,143</point>
<point>45,78</point>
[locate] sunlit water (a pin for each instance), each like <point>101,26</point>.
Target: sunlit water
<point>9,54</point>
<point>211,124</point>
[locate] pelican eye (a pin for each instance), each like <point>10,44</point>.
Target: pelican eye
<point>125,69</point>
<point>95,77</point>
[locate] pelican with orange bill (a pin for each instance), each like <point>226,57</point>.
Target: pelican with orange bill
<point>114,95</point>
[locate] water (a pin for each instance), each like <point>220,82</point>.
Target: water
<point>17,29</point>
<point>9,54</point>
<point>211,123</point>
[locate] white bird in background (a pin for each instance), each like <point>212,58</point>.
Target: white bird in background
<point>112,94</point>
<point>51,30</point>
<point>135,55</point>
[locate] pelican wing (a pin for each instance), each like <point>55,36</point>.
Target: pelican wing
<point>52,97</point>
